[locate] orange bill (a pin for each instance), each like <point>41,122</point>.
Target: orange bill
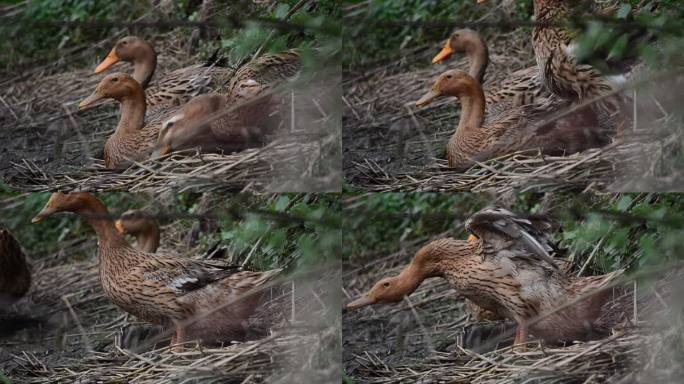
<point>428,97</point>
<point>472,237</point>
<point>90,100</point>
<point>360,302</point>
<point>444,53</point>
<point>110,60</point>
<point>120,227</point>
<point>165,150</point>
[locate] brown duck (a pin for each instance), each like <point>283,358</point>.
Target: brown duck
<point>15,275</point>
<point>133,138</point>
<point>517,128</point>
<point>177,87</point>
<point>142,226</point>
<point>203,301</point>
<point>559,71</point>
<point>212,124</point>
<point>518,88</point>
<point>509,270</point>
<point>267,70</point>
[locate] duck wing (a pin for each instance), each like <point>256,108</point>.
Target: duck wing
<point>511,238</point>
<point>185,275</point>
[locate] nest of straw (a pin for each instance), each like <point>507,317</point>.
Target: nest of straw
<point>391,145</point>
<point>431,338</point>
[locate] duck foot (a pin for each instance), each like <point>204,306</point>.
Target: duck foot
<point>520,339</point>
<point>177,339</point>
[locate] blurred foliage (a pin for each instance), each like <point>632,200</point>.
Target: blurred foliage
<point>617,30</point>
<point>29,40</point>
<point>366,42</point>
<point>622,230</point>
<point>271,230</point>
<point>626,30</point>
<point>239,28</point>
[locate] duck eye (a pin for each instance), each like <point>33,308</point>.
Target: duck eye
<point>386,284</point>
<point>124,42</point>
<point>449,76</point>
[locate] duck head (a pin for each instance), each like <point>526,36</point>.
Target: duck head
<point>189,124</point>
<point>64,202</point>
<point>387,290</point>
<point>135,222</point>
<point>450,83</point>
<point>460,41</point>
<point>130,49</point>
<point>114,86</point>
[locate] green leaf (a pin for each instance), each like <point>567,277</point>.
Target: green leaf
<point>624,10</point>
<point>619,47</point>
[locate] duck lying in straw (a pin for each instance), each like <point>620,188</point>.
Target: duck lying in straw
<point>509,270</point>
<point>203,301</point>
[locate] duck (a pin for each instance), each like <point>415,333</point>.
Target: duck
<point>203,301</point>
<point>558,69</point>
<point>15,274</point>
<point>142,226</point>
<point>509,269</point>
<point>518,128</point>
<point>177,87</point>
<point>211,123</point>
<point>134,138</point>
<point>268,70</point>
<point>521,87</point>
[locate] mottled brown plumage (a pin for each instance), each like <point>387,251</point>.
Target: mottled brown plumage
<point>559,71</point>
<point>15,275</point>
<point>204,301</point>
<point>516,128</point>
<point>213,124</point>
<point>267,70</point>
<point>142,226</point>
<point>507,271</point>
<point>133,138</point>
<point>177,87</point>
<point>518,88</point>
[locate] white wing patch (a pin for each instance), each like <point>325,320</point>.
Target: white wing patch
<point>181,281</point>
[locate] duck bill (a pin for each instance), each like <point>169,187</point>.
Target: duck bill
<point>472,237</point>
<point>444,53</point>
<point>428,97</point>
<point>361,302</point>
<point>90,101</point>
<point>110,60</point>
<point>47,211</point>
<point>165,150</point>
<point>120,227</point>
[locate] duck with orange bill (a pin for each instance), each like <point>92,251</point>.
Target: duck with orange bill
<point>203,301</point>
<point>175,88</point>
<point>510,269</point>
<point>521,87</point>
<point>134,137</point>
<point>526,127</point>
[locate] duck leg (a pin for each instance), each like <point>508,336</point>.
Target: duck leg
<point>178,338</point>
<point>520,335</point>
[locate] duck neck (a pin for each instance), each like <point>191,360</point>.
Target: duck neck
<point>410,279</point>
<point>96,214</point>
<point>472,109</point>
<point>478,58</point>
<point>132,113</point>
<point>144,66</point>
<point>148,239</point>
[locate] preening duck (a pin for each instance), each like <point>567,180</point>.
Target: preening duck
<point>510,270</point>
